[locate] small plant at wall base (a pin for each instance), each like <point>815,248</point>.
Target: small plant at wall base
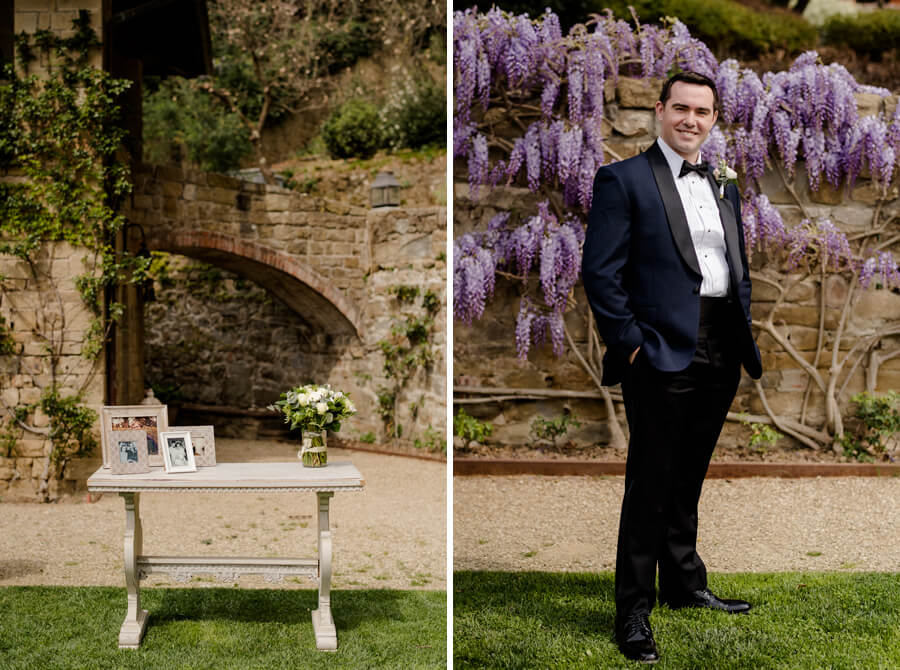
<point>470,429</point>
<point>549,430</point>
<point>431,440</point>
<point>761,434</point>
<point>875,423</point>
<point>61,132</point>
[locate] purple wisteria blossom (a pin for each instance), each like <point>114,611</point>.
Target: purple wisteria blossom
<point>474,271</point>
<point>505,62</point>
<point>882,269</point>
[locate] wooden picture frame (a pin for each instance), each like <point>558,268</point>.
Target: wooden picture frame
<point>203,439</point>
<point>178,452</point>
<point>129,452</point>
<point>151,419</point>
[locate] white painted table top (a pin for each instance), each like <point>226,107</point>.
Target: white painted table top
<point>225,477</point>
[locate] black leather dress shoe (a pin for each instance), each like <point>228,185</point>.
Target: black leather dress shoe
<point>635,639</point>
<point>708,600</point>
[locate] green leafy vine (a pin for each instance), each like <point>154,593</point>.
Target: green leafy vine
<point>66,178</point>
<point>408,350</point>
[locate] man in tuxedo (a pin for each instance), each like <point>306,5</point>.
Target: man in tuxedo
<point>666,275</point>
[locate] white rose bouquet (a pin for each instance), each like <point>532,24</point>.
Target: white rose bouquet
<point>314,408</point>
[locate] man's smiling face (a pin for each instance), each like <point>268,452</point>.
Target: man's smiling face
<point>686,118</point>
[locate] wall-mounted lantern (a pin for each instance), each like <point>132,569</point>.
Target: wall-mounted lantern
<point>385,190</point>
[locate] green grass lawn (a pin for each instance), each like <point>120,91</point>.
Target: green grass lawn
<point>49,628</point>
<point>813,621</point>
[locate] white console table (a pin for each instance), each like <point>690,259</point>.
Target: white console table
<point>228,478</point>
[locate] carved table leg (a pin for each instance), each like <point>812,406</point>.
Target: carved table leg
<point>323,624</point>
<point>135,619</point>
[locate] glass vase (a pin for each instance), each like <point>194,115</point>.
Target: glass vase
<point>314,453</point>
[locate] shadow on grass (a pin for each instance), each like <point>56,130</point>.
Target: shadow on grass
<point>67,628</point>
<point>349,608</point>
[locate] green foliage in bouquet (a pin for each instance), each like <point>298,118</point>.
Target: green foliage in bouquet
<point>315,408</point>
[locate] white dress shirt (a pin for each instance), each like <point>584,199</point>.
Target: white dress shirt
<point>702,211</point>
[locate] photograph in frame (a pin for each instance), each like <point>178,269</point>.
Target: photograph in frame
<point>178,452</point>
<point>150,419</point>
<point>204,440</point>
<point>129,452</point>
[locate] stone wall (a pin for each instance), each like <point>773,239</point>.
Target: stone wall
<point>484,354</point>
<point>350,255</point>
<point>224,343</point>
<point>220,340</point>
<point>44,313</point>
<point>326,233</point>
<point>57,15</point>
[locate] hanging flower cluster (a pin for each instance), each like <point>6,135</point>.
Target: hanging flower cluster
<point>552,86</point>
<point>542,243</point>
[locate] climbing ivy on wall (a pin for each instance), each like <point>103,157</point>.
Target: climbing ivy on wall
<point>66,177</point>
<point>406,351</point>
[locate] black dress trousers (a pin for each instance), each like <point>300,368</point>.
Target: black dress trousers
<point>674,419</point>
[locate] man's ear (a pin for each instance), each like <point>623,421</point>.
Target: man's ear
<point>659,110</point>
<point>715,116</point>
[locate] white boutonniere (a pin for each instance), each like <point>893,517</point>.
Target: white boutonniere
<point>724,175</point>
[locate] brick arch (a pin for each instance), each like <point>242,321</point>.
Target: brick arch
<point>296,284</point>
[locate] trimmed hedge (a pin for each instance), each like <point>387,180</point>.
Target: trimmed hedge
<point>870,33</point>
<point>729,28</point>
<point>353,130</point>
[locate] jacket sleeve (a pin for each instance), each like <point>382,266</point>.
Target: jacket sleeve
<point>744,288</point>
<point>605,263</point>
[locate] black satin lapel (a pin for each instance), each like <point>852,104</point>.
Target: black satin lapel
<point>729,225</point>
<point>672,202</point>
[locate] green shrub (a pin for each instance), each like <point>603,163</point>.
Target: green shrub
<point>353,130</point>
<point>432,440</point>
<point>469,428</point>
<point>761,434</point>
<point>727,27</point>
<point>550,429</point>
<point>869,33</point>
<point>181,122</point>
<point>343,47</point>
<point>877,420</point>
<point>437,47</point>
<point>415,114</point>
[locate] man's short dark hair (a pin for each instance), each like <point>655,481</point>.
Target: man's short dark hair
<point>689,77</point>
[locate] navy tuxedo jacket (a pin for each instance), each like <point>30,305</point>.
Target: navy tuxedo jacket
<point>640,270</point>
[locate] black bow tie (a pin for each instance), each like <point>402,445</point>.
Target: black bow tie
<point>701,169</point>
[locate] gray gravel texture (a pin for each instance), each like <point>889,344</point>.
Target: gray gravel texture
<point>392,535</point>
<point>746,525</point>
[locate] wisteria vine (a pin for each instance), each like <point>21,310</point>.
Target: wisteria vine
<point>552,88</point>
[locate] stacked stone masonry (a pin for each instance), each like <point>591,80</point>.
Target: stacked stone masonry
<point>341,261</point>
<point>484,354</point>
<point>351,255</point>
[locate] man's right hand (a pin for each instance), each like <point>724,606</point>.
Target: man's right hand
<point>633,356</point>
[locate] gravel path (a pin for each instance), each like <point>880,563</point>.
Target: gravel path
<point>746,525</point>
<point>392,535</point>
